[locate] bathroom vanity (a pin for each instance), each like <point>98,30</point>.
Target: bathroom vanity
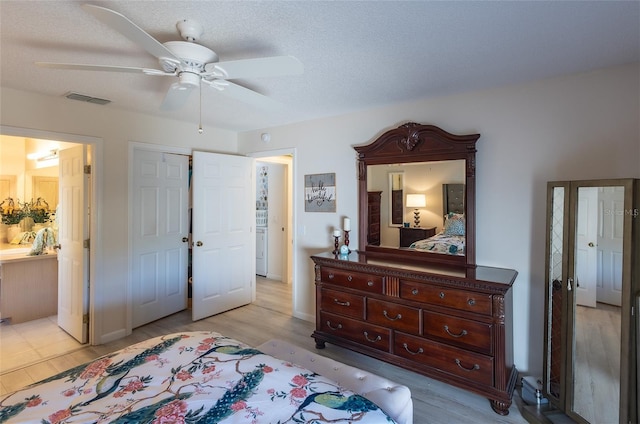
<point>28,286</point>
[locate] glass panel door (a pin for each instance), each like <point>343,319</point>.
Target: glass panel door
<point>592,267</point>
<point>556,277</point>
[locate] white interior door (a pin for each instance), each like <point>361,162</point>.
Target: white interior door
<point>610,235</point>
<point>160,233</point>
<point>73,281</point>
<point>223,263</point>
<point>586,253</point>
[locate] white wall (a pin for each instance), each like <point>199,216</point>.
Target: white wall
<point>582,126</point>
<point>115,130</point>
<point>576,127</point>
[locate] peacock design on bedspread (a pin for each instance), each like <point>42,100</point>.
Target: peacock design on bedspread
<point>192,378</point>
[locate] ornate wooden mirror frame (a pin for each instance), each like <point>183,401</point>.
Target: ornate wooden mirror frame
<point>409,143</point>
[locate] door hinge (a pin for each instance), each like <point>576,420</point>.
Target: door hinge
<point>86,244</point>
<point>85,319</point>
<point>87,169</point>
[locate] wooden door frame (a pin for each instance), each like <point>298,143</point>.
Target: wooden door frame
<point>293,199</point>
<point>95,225</point>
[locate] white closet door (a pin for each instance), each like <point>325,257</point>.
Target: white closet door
<point>610,248</point>
<point>73,281</point>
<point>223,264</point>
<point>586,253</point>
<point>160,230</point>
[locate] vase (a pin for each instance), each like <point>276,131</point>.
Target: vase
<point>13,231</point>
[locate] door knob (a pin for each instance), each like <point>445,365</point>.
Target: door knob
<point>57,246</point>
<point>185,239</point>
<point>591,244</point>
<point>199,243</point>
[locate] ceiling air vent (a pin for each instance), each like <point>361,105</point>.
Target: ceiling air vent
<point>88,99</point>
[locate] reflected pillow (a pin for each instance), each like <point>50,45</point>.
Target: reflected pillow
<point>454,224</point>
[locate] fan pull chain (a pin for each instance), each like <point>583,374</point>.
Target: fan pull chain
<point>200,130</point>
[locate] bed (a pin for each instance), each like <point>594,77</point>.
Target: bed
<point>205,377</point>
<point>441,243</point>
<point>451,241</point>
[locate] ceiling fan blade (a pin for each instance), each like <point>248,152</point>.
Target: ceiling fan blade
<point>256,68</point>
<point>246,95</point>
<point>133,32</point>
<point>106,68</point>
<point>176,96</point>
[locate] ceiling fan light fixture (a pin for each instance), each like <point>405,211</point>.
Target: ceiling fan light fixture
<point>191,55</point>
<point>189,79</point>
<point>190,30</point>
<point>193,64</point>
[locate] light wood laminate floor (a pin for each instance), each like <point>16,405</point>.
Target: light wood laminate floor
<point>33,341</point>
<point>270,317</point>
<point>597,359</point>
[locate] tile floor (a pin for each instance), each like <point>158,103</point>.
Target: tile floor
<point>33,341</point>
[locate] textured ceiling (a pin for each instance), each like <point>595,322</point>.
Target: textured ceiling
<point>356,55</point>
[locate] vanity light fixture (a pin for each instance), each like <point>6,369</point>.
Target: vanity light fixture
<point>416,201</point>
<point>43,155</point>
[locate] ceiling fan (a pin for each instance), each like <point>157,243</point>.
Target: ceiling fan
<point>192,64</point>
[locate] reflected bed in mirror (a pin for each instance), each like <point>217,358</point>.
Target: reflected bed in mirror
<point>441,186</point>
<point>424,160</point>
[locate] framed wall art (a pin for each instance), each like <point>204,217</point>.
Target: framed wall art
<point>320,193</point>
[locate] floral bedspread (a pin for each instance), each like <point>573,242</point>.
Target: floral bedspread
<point>192,377</point>
<point>441,243</point>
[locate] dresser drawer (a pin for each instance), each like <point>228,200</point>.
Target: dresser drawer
<point>469,365</point>
<point>452,298</point>
<point>342,303</point>
<point>458,331</point>
<point>356,280</point>
<point>358,331</point>
<point>393,315</point>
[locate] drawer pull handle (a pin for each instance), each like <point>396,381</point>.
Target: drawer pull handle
<point>370,283</point>
<point>377,339</point>
<point>386,315</point>
<point>349,278</point>
<point>441,295</point>
<point>338,327</point>
<point>331,276</point>
<point>404,345</point>
<point>471,302</point>
<point>463,333</point>
<point>337,302</point>
<point>414,292</point>
<point>475,366</point>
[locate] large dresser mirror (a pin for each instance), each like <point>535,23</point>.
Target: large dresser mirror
<point>416,187</point>
<point>592,289</point>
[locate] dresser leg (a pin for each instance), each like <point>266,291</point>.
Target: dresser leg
<point>320,344</point>
<point>500,407</point>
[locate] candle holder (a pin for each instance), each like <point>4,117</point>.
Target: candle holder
<point>336,243</point>
<point>346,239</point>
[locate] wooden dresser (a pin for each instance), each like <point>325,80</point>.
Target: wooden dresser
<point>446,325</point>
<point>373,217</point>
<point>409,235</point>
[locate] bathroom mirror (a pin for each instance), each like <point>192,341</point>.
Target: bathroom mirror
<point>27,175</point>
<point>591,288</point>
<point>421,152</point>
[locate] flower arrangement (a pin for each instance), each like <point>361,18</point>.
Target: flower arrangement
<point>37,211</point>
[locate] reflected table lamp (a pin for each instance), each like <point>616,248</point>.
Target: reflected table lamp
<point>416,201</point>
